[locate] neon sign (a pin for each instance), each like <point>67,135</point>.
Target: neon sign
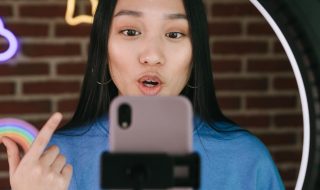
<point>12,40</point>
<point>19,131</point>
<point>72,20</point>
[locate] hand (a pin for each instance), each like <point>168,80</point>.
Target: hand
<point>39,170</point>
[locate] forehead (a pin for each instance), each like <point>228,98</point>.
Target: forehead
<point>152,7</point>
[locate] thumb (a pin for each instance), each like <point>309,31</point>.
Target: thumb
<point>13,154</point>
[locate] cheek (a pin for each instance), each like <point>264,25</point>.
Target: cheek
<point>180,69</point>
<point>184,58</point>
<point>114,51</point>
<point>117,57</point>
<point>121,67</point>
<point>114,64</point>
<point>186,67</point>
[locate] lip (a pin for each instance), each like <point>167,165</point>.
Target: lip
<point>150,91</point>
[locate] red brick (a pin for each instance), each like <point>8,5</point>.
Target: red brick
<point>87,9</point>
<point>4,166</point>
<point>269,65</point>
<point>289,173</point>
<point>277,47</point>
<point>51,87</point>
<point>67,105</point>
<point>288,120</point>
<point>51,50</point>
<point>82,30</point>
<point>252,121</point>
<point>240,47</point>
<point>42,11</point>
<point>260,29</point>
<point>241,84</point>
<point>4,184</point>
<point>285,83</point>
<point>7,88</point>
<point>226,66</point>
<point>233,9</point>
<point>286,156</point>
<point>38,123</point>
<point>29,29</point>
<point>6,10</point>
<point>271,102</point>
<point>276,139</point>
<point>25,107</point>
<point>229,102</point>
<point>71,68</point>
<point>225,28</point>
<point>3,45</point>
<point>24,69</point>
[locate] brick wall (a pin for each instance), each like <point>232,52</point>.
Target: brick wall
<point>255,83</point>
<point>254,80</point>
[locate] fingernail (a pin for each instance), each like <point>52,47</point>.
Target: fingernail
<point>58,115</point>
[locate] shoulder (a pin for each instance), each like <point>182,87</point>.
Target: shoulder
<point>69,138</point>
<point>230,136</point>
<point>238,151</point>
<point>97,127</point>
<point>231,141</point>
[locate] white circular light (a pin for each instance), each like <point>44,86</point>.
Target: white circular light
<point>302,93</point>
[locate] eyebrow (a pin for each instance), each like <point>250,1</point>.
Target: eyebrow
<point>129,13</point>
<point>176,16</point>
<point>171,16</point>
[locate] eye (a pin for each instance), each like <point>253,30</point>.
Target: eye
<point>130,32</point>
<point>174,35</point>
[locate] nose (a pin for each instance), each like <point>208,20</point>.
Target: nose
<point>152,53</point>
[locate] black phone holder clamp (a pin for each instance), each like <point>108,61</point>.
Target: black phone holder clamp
<point>152,171</point>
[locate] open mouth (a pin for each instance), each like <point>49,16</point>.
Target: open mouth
<point>150,83</point>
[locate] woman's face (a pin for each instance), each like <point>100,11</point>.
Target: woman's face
<point>150,47</point>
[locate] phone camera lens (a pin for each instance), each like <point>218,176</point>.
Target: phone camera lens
<point>124,116</point>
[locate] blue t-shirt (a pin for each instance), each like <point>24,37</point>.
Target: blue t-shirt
<point>230,160</point>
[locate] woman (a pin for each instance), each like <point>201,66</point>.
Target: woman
<point>145,47</point>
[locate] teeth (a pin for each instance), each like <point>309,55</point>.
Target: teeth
<point>150,83</point>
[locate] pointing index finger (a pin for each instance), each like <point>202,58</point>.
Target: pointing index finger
<point>44,136</point>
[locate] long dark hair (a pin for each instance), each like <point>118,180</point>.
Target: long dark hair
<point>95,98</point>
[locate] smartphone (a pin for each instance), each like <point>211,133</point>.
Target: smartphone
<point>157,124</point>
